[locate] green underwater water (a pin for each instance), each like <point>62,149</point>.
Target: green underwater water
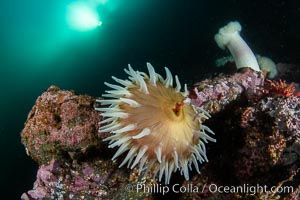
<point>38,49</point>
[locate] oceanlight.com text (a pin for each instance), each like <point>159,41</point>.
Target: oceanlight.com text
<point>208,188</point>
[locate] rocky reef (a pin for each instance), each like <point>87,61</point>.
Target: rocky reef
<point>256,156</point>
<point>61,122</point>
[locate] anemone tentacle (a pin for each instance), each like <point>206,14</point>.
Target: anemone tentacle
<point>155,123</point>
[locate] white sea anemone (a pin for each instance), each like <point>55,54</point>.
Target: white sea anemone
<point>155,123</point>
<point>268,66</point>
<point>229,36</point>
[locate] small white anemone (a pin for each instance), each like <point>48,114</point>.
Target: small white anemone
<point>229,37</point>
<point>268,66</point>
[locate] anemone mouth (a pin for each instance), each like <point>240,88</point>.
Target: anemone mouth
<point>151,120</point>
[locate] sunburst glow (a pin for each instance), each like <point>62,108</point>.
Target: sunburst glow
<point>82,17</point>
